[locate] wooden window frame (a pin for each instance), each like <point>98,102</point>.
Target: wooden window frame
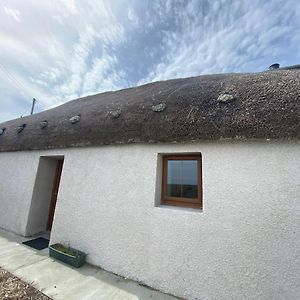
<point>176,201</point>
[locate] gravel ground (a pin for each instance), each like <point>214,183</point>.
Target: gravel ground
<point>14,288</point>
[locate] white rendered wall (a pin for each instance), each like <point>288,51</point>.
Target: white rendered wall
<point>17,176</point>
<point>243,245</point>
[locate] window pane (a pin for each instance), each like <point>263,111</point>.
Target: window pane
<point>174,168</point>
<point>189,178</point>
<point>174,190</point>
<point>174,178</point>
<point>182,181</point>
<point>190,171</point>
<point>189,191</point>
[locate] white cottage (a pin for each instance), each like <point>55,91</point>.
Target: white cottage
<point>190,186</point>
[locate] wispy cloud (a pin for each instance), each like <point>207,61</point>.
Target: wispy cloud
<point>236,36</point>
<point>59,50</point>
<point>102,76</point>
<point>14,13</point>
<point>132,16</point>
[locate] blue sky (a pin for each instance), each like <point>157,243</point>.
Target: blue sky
<point>59,50</point>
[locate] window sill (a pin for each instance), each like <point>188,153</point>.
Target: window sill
<point>180,208</point>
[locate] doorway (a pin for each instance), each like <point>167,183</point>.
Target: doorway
<point>55,188</point>
<point>44,197</point>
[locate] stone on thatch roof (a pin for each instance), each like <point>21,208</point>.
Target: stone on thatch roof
<point>262,105</point>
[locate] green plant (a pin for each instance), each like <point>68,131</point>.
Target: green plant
<point>66,250</point>
<point>68,255</point>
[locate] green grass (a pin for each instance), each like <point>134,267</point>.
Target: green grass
<point>66,250</point>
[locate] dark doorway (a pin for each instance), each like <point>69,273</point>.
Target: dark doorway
<point>55,188</point>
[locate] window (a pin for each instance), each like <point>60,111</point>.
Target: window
<point>182,180</point>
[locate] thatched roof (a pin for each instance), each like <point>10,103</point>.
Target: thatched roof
<point>229,106</point>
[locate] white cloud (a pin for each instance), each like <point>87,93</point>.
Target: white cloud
<point>132,16</point>
<point>70,5</point>
<point>14,13</point>
<point>97,75</point>
<point>7,116</point>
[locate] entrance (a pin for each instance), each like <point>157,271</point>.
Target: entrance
<point>58,170</point>
<point>44,197</point>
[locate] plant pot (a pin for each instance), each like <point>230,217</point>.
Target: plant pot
<point>76,260</point>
